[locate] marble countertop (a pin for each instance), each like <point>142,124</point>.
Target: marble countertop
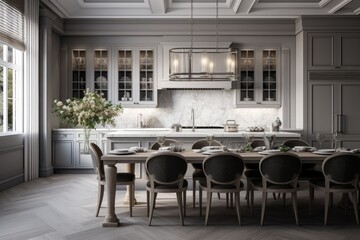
<point>153,132</point>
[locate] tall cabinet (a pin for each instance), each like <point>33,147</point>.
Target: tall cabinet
<point>333,80</point>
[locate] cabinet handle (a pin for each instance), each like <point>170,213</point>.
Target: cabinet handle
<point>337,67</point>
<point>339,123</point>
<point>136,103</point>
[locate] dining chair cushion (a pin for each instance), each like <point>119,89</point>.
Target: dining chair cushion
<point>167,186</point>
<point>321,183</point>
<point>220,186</point>
<point>199,173</point>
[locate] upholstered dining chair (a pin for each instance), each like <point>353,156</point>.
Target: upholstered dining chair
<point>252,169</point>
<point>223,173</point>
<point>121,178</point>
<point>167,142</point>
<point>279,174</point>
<point>166,172</point>
<point>198,173</point>
<point>341,175</point>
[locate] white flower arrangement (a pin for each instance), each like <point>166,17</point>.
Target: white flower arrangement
<point>89,111</point>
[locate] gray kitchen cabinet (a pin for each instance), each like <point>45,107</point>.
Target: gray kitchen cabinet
<point>259,78</point>
<point>63,150</point>
<point>89,68</point>
<point>136,77</point>
<point>83,160</point>
<point>332,109</point>
<point>334,51</point>
<point>125,75</point>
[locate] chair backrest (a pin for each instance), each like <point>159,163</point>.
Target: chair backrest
<point>257,143</point>
<point>203,143</point>
<point>295,142</point>
<point>280,168</point>
<point>223,168</point>
<point>167,142</point>
<point>96,154</point>
<point>342,168</point>
<point>166,167</point>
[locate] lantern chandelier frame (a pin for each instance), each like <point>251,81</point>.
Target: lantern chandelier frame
<point>199,64</point>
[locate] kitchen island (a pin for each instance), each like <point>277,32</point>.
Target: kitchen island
<point>68,143</point>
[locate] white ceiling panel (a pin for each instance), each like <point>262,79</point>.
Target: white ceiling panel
<point>228,9</point>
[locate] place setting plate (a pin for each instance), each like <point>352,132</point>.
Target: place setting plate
<point>267,152</point>
<point>121,152</point>
<point>325,151</point>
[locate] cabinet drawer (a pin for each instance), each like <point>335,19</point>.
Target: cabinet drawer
<point>63,136</point>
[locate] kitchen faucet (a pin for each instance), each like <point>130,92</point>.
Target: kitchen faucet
<point>193,119</point>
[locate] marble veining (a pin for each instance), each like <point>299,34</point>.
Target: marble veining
<point>212,108</point>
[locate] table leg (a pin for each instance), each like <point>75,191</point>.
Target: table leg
<point>130,167</point>
<point>111,219</point>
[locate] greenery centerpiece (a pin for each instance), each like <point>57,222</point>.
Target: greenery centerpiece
<point>87,112</point>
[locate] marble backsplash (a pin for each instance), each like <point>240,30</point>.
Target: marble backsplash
<point>212,108</point>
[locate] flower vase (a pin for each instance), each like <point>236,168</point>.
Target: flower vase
<point>86,140</point>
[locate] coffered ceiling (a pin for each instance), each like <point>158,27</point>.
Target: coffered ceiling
<point>230,9</point>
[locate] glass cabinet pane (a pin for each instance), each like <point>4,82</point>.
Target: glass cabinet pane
<point>101,71</point>
<point>269,81</point>
<point>146,75</point>
<point>247,75</point>
<point>78,65</point>
<point>125,79</point>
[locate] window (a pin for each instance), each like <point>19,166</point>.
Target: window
<point>10,79</point>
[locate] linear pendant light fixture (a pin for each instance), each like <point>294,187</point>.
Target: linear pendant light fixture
<point>203,64</point>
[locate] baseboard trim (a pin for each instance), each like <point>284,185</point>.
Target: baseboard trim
<point>74,171</point>
<point>11,182</point>
<point>46,172</point>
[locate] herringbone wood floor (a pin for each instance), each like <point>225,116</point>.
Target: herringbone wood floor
<point>63,207</point>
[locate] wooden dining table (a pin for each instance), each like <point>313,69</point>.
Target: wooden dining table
<point>110,160</point>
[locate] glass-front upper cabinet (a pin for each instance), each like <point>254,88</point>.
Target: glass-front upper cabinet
<point>78,67</point>
<point>146,75</point>
<point>136,77</point>
<point>269,76</point>
<point>247,75</point>
<point>125,75</point>
<point>259,78</point>
<point>101,79</point>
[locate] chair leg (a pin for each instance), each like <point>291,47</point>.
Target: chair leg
<point>200,201</point>
<point>327,196</point>
<point>147,203</point>
<point>131,202</point>
<point>284,199</point>
<point>184,201</point>
<point>263,205</point>
<point>311,198</point>
<point>208,205</point>
<point>274,196</point>
<point>179,200</point>
<point>100,198</point>
<point>231,200</point>
<point>219,196</point>
<point>354,201</point>
<point>237,203</point>
<point>252,201</point>
<point>294,198</point>
<point>194,192</point>
<point>152,206</point>
<point>227,200</point>
<point>247,193</point>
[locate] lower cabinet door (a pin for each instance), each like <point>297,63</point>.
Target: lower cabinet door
<point>63,154</point>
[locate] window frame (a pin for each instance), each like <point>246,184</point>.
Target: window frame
<point>17,65</point>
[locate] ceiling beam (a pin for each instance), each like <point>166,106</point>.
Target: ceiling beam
<point>234,5</point>
<point>158,6</point>
<point>323,3</point>
<point>339,4</point>
<point>246,6</point>
<point>357,11</point>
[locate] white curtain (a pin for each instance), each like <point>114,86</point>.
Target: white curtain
<point>31,90</point>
